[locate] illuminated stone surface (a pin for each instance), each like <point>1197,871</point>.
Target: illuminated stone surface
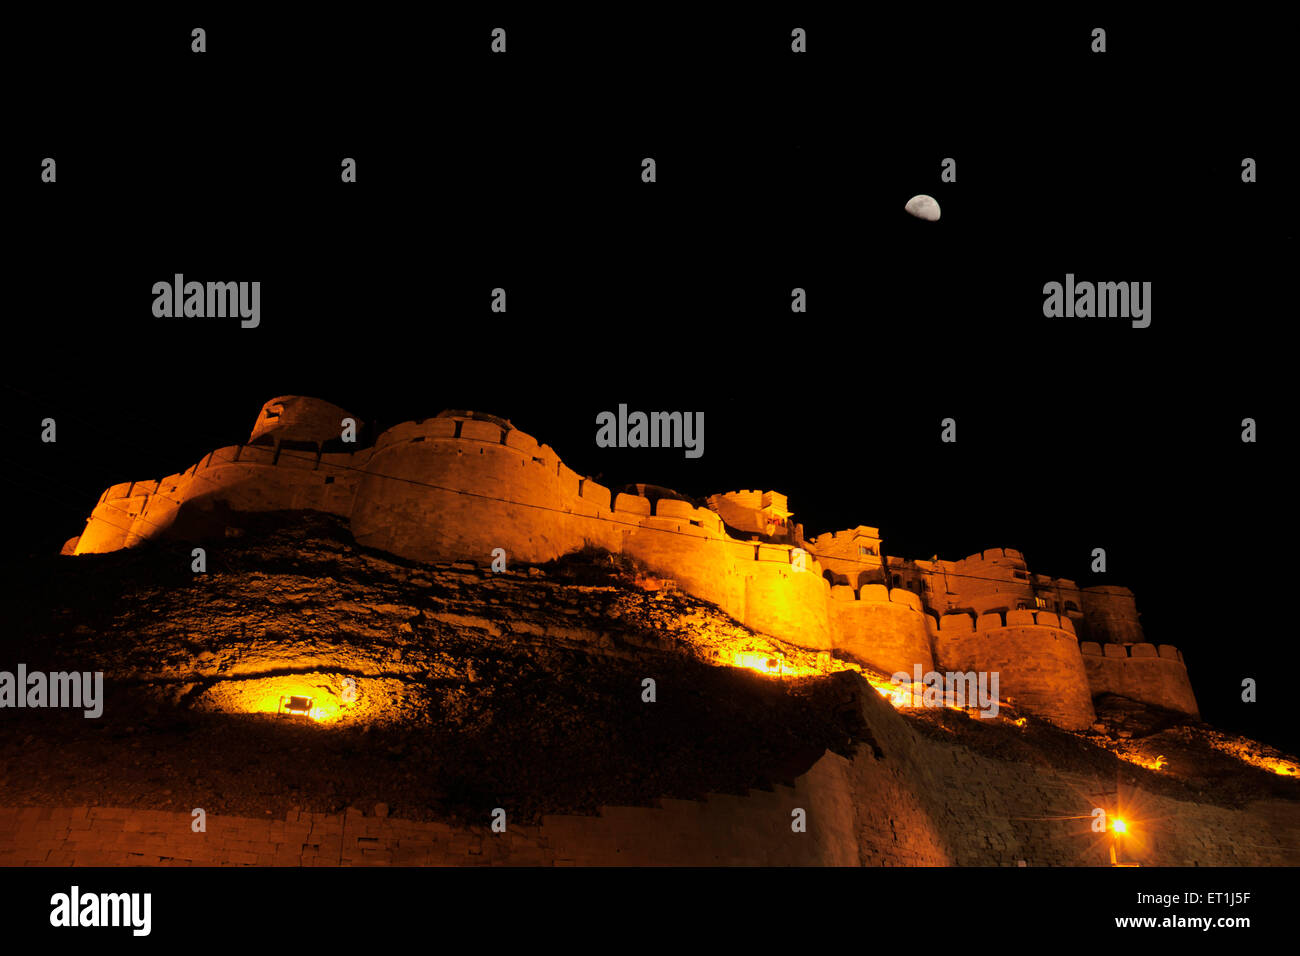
<point>458,486</point>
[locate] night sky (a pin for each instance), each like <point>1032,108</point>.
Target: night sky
<point>774,171</point>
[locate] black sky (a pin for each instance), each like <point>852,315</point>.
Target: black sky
<point>774,172</point>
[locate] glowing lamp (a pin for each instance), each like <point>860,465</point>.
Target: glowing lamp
<point>759,662</point>
<point>298,706</point>
<point>1119,826</point>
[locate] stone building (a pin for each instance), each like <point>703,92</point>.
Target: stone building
<point>462,484</point>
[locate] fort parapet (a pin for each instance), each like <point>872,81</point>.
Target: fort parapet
<point>463,484</point>
<point>1145,672</point>
<point>1035,652</point>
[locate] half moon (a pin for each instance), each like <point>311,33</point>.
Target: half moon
<point>923,207</point>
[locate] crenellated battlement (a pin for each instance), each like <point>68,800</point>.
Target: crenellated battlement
<point>1122,651</point>
<point>1151,673</point>
<point>1035,652</point>
<point>992,555</point>
<point>463,484</point>
<point>963,622</point>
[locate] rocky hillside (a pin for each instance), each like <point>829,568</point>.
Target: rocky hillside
<point>444,692</point>
<point>473,689</point>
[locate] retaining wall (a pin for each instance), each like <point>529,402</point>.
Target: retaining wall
<point>903,799</point>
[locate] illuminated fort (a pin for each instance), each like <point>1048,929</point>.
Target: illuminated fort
<point>463,484</point>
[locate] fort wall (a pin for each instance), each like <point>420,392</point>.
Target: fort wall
<point>1142,672</point>
<point>1035,654</point>
<point>1063,596</point>
<point>852,556</point>
<point>231,479</point>
<point>785,602</point>
<point>106,528</point>
<point>908,800</point>
<point>1110,615</point>
<point>703,564</point>
<point>719,830</point>
<point>883,628</point>
<point>299,418</point>
<point>449,489</point>
<point>460,486</point>
<point>996,579</point>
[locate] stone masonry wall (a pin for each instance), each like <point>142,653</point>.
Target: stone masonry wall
<point>1143,672</point>
<point>881,627</point>
<point>720,830</point>
<point>1035,654</point>
<point>904,799</point>
<point>454,488</point>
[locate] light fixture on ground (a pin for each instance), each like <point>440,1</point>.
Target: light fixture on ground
<point>1118,829</point>
<point>296,706</point>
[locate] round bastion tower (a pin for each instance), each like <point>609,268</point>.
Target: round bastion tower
<point>298,419</point>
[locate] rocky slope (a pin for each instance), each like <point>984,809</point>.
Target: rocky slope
<point>473,689</point>
<point>446,691</point>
